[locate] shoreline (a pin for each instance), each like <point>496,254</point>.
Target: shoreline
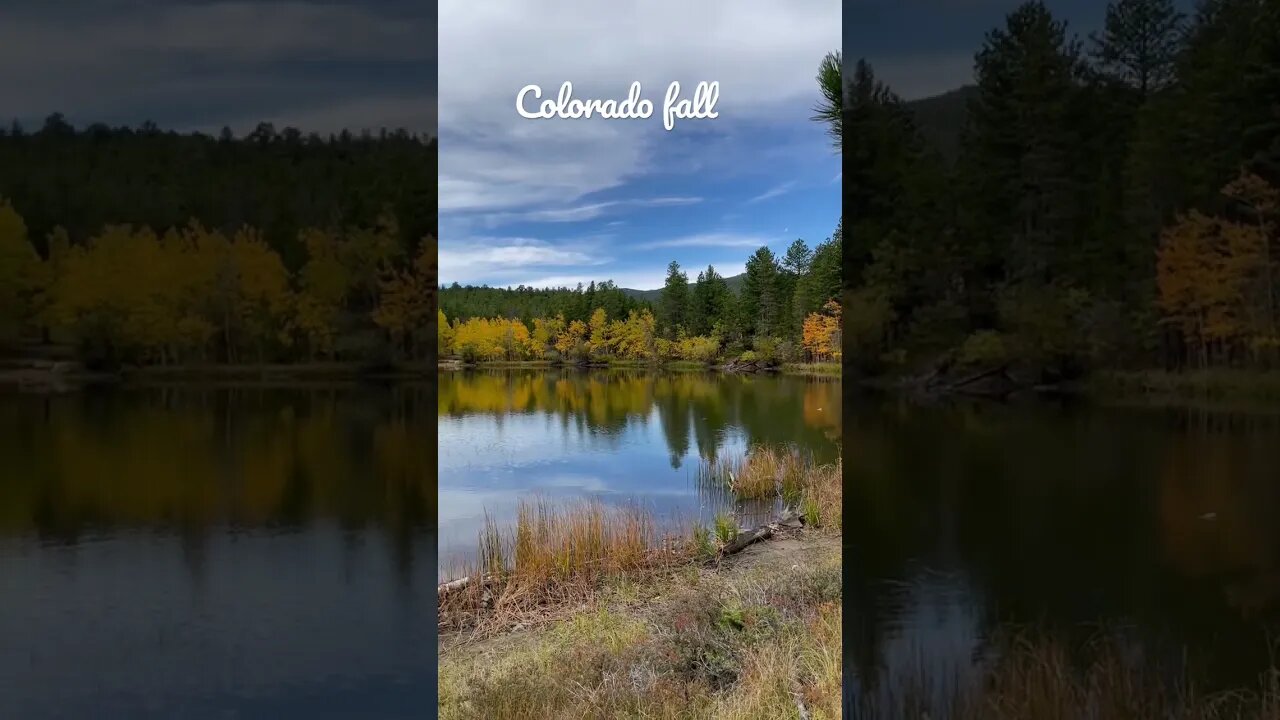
<point>1112,386</point>
<point>770,612</point>
<point>811,369</point>
<point>1160,386</point>
<point>734,621</point>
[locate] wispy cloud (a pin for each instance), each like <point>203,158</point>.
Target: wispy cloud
<point>715,239</point>
<point>838,176</point>
<point>774,192</point>
<point>593,210</point>
<point>499,257</point>
<point>482,140</point>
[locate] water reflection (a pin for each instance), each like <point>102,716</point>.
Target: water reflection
<point>1156,523</point>
<point>221,552</point>
<point>617,436</point>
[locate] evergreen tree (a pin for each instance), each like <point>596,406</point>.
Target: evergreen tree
<point>673,304</point>
<point>1139,44</point>
<point>711,301</point>
<point>1021,213</point>
<point>760,303</point>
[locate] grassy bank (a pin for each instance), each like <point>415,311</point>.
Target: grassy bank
<point>1035,675</point>
<point>758,639</point>
<point>593,612</point>
<point>1213,384</point>
<point>816,369</point>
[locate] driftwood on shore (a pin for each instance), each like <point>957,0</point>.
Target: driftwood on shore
<point>789,518</point>
<point>461,584</point>
<point>991,382</point>
<point>751,366</point>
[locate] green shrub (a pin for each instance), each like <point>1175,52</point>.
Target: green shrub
<point>726,529</point>
<point>985,347</point>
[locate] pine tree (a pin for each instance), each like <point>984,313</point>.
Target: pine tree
<point>710,301</point>
<point>673,304</point>
<point>760,301</point>
<point>1140,43</point>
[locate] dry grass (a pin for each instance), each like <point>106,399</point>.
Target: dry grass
<point>1036,676</point>
<point>783,473</point>
<point>763,645</point>
<point>556,557</point>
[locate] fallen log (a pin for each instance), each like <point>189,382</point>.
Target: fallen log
<point>789,518</point>
<point>461,584</point>
<point>978,376</point>
<point>746,538</point>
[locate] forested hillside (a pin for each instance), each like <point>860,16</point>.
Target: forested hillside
<point>941,118</point>
<point>1113,200</point>
<point>143,246</point>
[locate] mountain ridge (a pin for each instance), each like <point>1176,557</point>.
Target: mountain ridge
<point>733,281</point>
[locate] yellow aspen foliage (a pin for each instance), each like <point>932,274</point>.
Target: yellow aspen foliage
<point>444,335</point>
<point>634,338</point>
<point>571,342</point>
<point>18,266</point>
<point>402,307</point>
<point>598,343</point>
<point>325,281</point>
<point>263,298</point>
<point>544,334</point>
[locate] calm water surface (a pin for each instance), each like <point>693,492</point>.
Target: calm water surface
<point>232,553</point>
<point>1156,523</point>
<point>620,437</point>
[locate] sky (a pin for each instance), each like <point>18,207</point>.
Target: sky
<point>922,48</point>
<point>197,65</point>
<point>555,202</point>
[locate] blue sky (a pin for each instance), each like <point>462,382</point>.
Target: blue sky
<point>926,47</point>
<point>200,65</point>
<point>557,202</point>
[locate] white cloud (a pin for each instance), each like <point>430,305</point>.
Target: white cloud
<point>715,239</point>
<point>773,192</point>
<point>763,53</point>
<point>481,259</point>
<point>589,212</point>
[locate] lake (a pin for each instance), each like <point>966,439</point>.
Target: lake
<point>222,552</point>
<point>1157,523</point>
<point>620,437</point>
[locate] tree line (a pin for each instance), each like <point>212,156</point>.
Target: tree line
<point>279,181</point>
<point>194,295</point>
<point>787,309</point>
<point>1112,201</point>
<point>147,247</point>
